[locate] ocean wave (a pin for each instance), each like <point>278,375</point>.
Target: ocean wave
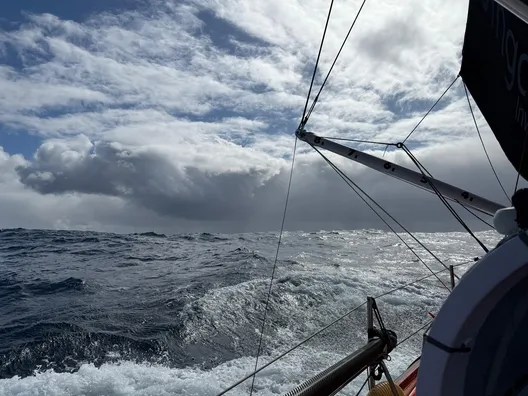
<point>205,236</point>
<point>151,234</point>
<point>40,287</point>
<point>89,312</point>
<point>144,379</point>
<point>64,347</point>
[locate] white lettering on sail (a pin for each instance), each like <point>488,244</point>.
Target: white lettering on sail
<point>516,70</point>
<point>521,116</point>
<point>511,46</point>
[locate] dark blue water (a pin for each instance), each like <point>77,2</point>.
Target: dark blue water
<point>73,297</point>
<point>149,314</point>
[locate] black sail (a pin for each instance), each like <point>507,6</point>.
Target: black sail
<point>495,70</point>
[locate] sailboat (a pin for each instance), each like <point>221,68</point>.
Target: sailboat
<point>477,343</point>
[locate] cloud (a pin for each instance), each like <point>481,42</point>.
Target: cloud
<point>181,116</point>
<point>194,182</point>
<point>112,188</point>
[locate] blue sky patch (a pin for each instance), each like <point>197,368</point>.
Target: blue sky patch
<point>12,13</point>
<point>19,143</point>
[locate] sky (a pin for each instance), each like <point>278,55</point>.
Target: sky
<point>179,116</point>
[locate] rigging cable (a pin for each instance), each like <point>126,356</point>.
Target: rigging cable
<point>450,199</point>
<point>362,386</point>
<point>405,181</point>
<point>431,109</point>
<point>337,320</point>
<point>274,268</point>
<point>305,119</point>
<point>428,177</point>
<point>483,145</point>
<point>414,333</point>
<point>476,215</point>
<point>287,199</point>
<point>316,64</point>
<point>293,348</point>
<point>354,186</point>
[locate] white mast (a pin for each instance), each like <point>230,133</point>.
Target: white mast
<point>416,178</point>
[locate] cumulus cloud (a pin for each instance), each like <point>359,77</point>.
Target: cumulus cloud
<point>181,116</point>
<point>194,182</point>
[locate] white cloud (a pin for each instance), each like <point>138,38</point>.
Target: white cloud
<point>186,113</point>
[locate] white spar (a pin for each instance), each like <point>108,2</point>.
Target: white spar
<point>416,178</point>
<point>516,7</point>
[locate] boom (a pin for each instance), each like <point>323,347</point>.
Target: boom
<point>397,171</point>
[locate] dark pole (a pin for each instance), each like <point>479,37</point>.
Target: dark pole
<point>340,374</point>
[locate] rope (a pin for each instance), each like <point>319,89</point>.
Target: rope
<point>317,62</point>
<point>352,184</point>
<point>483,145</point>
<point>411,283</point>
<point>414,333</point>
<point>362,386</point>
<point>305,120</point>
<point>392,385</point>
<point>450,199</point>
<point>432,107</point>
<point>428,177</point>
<point>293,348</point>
<point>477,216</point>
<point>466,262</point>
<point>334,322</point>
<point>274,268</point>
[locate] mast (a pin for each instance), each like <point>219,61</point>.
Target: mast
<point>399,172</point>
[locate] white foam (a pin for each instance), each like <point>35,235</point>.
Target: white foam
<point>305,297</point>
<point>130,379</point>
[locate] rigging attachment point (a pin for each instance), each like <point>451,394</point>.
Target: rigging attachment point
<point>300,133</point>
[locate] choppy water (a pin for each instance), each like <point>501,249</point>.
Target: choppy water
<point>84,313</point>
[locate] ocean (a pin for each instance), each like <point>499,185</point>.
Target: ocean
<point>87,313</point>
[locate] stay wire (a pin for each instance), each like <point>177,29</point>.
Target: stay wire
<point>379,296</point>
<point>362,386</point>
<point>337,320</point>
<point>354,186</point>
<point>379,319</point>
<point>405,181</point>
<point>429,178</point>
<point>293,348</point>
<point>450,199</point>
<point>483,145</point>
<point>351,183</point>
<point>414,333</point>
<point>274,268</point>
<point>316,63</point>
<point>333,64</point>
<point>476,215</point>
<point>431,109</point>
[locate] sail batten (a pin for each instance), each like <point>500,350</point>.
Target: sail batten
<point>495,71</point>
